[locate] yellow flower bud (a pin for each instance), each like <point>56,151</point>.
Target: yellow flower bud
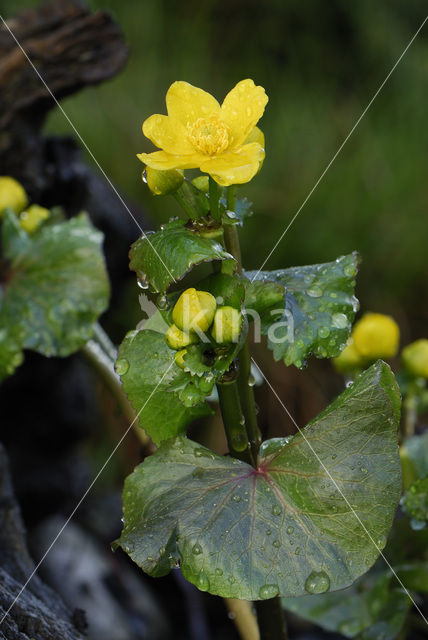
<point>349,360</point>
<point>178,339</point>
<point>227,325</point>
<point>376,336</point>
<point>194,310</point>
<point>415,358</point>
<point>12,195</point>
<point>179,361</point>
<point>202,183</point>
<point>162,183</point>
<point>33,217</point>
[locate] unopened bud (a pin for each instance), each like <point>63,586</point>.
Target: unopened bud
<point>33,217</point>
<point>162,183</point>
<point>194,310</point>
<point>227,325</point>
<point>376,336</point>
<point>415,358</point>
<point>12,195</point>
<point>179,358</point>
<point>178,339</point>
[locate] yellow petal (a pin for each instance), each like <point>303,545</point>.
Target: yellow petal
<point>162,160</point>
<point>242,108</point>
<point>168,134</point>
<point>235,167</point>
<point>187,103</point>
<point>256,135</point>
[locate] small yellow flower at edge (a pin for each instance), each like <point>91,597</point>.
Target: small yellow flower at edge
<point>12,195</point>
<point>376,335</point>
<point>177,339</point>
<point>222,141</point>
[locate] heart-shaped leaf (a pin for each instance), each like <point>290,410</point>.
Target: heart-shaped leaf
<point>165,397</point>
<point>284,527</point>
<point>53,287</point>
<point>161,258</point>
<point>316,314</point>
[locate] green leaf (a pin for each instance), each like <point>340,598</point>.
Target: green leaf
<point>316,314</point>
<point>156,387</point>
<point>195,200</point>
<point>414,503</point>
<point>373,600</point>
<point>242,211</point>
<point>161,258</point>
<point>54,286</point>
<point>283,528</point>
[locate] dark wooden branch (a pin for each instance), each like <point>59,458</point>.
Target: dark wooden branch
<point>70,47</point>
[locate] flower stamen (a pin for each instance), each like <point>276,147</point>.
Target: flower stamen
<point>209,135</point>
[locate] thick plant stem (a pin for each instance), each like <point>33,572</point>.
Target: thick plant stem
<point>270,616</point>
<point>234,422</point>
<point>246,391</point>
<point>214,194</point>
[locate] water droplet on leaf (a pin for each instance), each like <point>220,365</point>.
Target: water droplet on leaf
<point>268,591</point>
<point>276,510</point>
<point>197,549</point>
<point>314,292</point>
<point>121,366</point>
<point>317,582</point>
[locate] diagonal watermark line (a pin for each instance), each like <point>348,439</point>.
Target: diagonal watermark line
<point>36,71</point>
<point>341,147</point>
<point>36,568</point>
<point>340,491</point>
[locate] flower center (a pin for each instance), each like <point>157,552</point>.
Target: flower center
<point>209,135</point>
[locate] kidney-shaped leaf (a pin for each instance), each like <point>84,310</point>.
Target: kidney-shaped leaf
<point>161,258</point>
<point>283,528</point>
<point>54,286</point>
<point>316,313</point>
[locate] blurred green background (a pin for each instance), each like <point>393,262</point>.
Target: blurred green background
<point>320,62</point>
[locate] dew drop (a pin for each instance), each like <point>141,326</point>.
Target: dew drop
<point>251,380</point>
<point>339,320</point>
<point>276,510</point>
<point>417,525</point>
<point>268,591</point>
<point>236,498</point>
<point>231,580</point>
<point>162,301</point>
<point>197,549</point>
<point>276,544</point>
<point>363,470</point>
<point>204,453</point>
<point>143,282</point>
<point>334,456</point>
<point>317,582</point>
<point>202,582</point>
<point>314,292</point>
<point>219,572</point>
<point>290,530</point>
<point>121,366</point>
<point>323,332</point>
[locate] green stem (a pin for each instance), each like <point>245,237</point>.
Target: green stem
<point>234,422</point>
<point>270,616</point>
<point>183,204</point>
<point>246,392</point>
<point>214,193</point>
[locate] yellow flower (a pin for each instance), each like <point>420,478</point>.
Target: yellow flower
<point>194,310</point>
<point>376,336</point>
<point>33,217</point>
<point>415,358</point>
<point>222,141</point>
<point>12,195</point>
